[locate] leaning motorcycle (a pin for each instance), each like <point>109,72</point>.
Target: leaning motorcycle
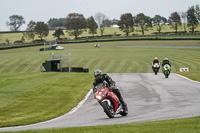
<point>109,101</point>
<point>166,70</point>
<point>156,68</point>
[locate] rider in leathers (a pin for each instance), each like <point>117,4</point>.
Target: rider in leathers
<point>99,78</point>
<point>155,61</point>
<point>166,61</point>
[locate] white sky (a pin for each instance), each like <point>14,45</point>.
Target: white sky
<point>43,10</point>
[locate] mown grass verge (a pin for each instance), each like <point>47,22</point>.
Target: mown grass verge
<point>186,125</point>
<point>32,98</point>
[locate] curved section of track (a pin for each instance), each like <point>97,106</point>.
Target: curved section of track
<point>149,97</point>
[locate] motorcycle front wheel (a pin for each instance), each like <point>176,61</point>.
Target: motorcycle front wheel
<point>109,110</point>
<point>166,74</point>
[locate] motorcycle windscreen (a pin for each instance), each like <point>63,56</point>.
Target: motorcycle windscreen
<point>99,86</point>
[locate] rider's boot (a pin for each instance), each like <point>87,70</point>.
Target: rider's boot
<point>123,103</point>
<point>120,98</point>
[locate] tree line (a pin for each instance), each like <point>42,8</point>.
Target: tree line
<point>75,24</point>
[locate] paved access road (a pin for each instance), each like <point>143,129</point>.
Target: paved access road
<point>149,97</point>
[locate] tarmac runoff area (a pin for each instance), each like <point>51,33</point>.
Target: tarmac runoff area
<point>149,97</point>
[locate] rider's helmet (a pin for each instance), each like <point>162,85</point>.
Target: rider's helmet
<point>98,74</point>
<point>166,59</point>
<point>156,58</point>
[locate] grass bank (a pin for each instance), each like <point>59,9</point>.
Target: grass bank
<point>32,98</point>
<point>187,125</point>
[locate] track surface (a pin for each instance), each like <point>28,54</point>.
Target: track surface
<point>149,97</point>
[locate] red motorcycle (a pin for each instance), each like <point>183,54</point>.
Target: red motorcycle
<point>109,101</point>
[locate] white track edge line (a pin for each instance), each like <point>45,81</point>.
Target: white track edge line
<point>186,78</point>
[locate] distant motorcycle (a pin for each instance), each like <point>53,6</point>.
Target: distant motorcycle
<point>97,46</point>
<point>166,70</point>
<point>109,101</point>
<point>156,68</point>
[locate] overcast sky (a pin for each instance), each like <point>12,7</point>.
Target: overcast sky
<point>43,10</point>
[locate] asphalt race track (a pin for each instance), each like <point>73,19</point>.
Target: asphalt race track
<point>149,97</point>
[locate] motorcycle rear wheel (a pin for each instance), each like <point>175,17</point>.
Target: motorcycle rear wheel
<point>109,110</point>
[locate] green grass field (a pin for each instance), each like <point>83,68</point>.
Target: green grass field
<point>29,96</point>
<point>187,125</point>
<point>112,57</point>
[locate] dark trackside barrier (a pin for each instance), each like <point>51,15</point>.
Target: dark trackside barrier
<point>79,69</point>
<point>56,66</point>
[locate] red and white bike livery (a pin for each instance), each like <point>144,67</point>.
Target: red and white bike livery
<point>109,101</point>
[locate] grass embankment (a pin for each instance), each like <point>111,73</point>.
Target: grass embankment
<point>29,96</point>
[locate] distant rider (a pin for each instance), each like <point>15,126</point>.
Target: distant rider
<point>155,61</point>
<point>166,61</point>
<point>100,77</point>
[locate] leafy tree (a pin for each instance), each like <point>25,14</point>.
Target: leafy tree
<point>126,23</point>
<point>75,23</point>
<point>107,23</point>
<point>31,26</point>
<point>59,32</point>
<point>41,30</point>
<point>184,20</point>
<point>7,41</point>
<point>92,25</point>
<point>197,10</point>
<point>100,19</point>
<point>29,33</point>
<point>16,21</point>
<point>115,22</point>
<point>23,39</point>
<point>175,21</point>
<point>159,22</point>
<point>192,18</point>
<point>54,22</point>
<point>142,21</point>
